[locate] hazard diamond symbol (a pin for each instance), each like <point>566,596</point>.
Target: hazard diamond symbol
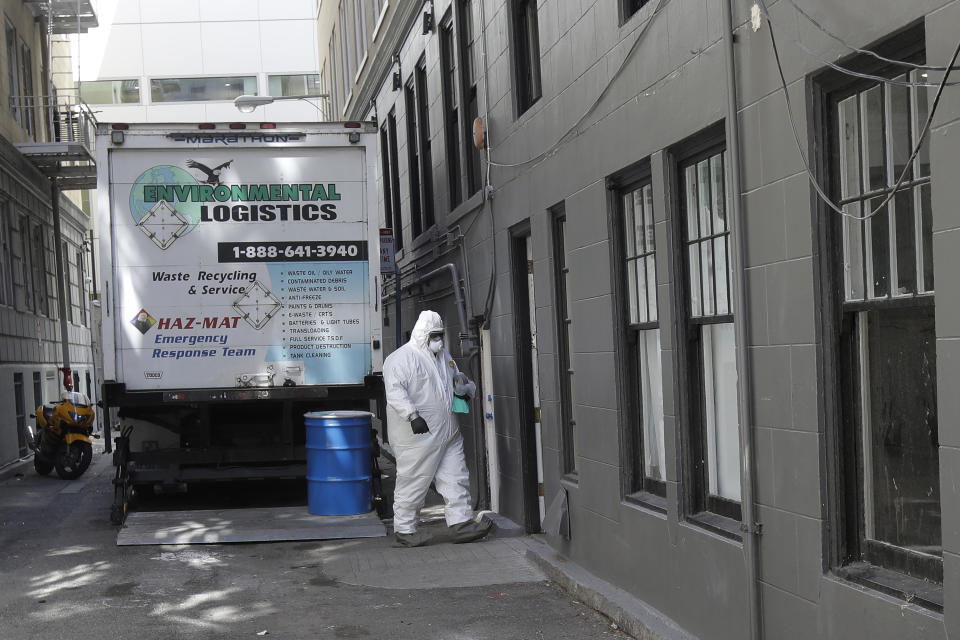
<point>163,224</point>
<point>257,305</point>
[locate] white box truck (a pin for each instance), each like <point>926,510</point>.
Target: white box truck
<point>240,288</point>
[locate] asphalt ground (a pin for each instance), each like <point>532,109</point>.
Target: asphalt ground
<point>62,576</point>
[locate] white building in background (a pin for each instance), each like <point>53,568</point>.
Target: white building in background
<point>186,60</point>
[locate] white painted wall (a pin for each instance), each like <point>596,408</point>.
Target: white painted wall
<point>147,39</point>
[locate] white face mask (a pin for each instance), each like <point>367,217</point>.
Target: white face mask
<point>436,344</point>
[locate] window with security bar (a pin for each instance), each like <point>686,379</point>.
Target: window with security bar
<point>645,458</point>
<point>714,436</point>
<point>890,253</point>
<point>883,263</point>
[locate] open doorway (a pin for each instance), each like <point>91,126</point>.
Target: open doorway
<point>528,391</point>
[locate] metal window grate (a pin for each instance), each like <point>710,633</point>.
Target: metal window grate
<point>708,238</point>
<point>889,255</point>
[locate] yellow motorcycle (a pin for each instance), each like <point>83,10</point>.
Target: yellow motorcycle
<point>62,441</point>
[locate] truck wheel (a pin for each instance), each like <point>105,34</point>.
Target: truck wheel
<point>74,459</point>
<point>42,466</point>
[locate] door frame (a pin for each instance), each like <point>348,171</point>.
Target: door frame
<point>523,343</point>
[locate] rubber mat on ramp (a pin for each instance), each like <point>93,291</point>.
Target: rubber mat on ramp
<point>217,526</point>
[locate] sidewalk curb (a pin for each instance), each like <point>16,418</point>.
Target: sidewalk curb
<point>17,467</point>
<point>629,613</point>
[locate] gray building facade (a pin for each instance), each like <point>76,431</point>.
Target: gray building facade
<point>712,385</point>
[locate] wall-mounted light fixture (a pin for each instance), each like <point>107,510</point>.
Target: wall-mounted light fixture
<point>428,22</point>
<point>397,82</point>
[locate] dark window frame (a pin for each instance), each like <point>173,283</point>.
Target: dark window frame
<point>394,180</point>
<point>420,170</point>
<point>13,70</point>
<point>68,283</point>
<point>637,485</point>
<point>424,142</point>
<point>451,108</point>
<point>848,552</point>
<point>26,270</point>
<point>525,46</point>
<point>29,100</point>
<point>413,160</point>
<point>568,458</point>
<point>82,289</point>
<point>37,389</point>
<point>716,513</point>
<point>386,177</point>
<point>629,8</point>
<point>20,407</point>
<point>468,86</point>
<point>7,280</point>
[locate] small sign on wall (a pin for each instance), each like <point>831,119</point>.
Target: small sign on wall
<point>387,259</point>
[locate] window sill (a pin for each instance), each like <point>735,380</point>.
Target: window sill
<point>528,111</point>
<point>469,205</point>
<point>720,525</point>
<point>425,237</point>
<point>648,502</point>
<point>421,246</point>
<point>923,593</point>
<point>383,14</point>
<point>363,63</point>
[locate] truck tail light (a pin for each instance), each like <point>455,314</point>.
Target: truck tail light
<point>268,125</point>
<point>206,125</point>
<point>237,125</point>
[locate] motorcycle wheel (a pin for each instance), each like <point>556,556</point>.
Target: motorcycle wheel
<point>43,467</point>
<point>73,460</point>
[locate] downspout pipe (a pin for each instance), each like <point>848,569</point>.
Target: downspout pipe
<point>61,293</point>
<point>749,526</point>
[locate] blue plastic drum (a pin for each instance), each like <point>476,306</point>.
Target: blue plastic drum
<point>338,462</point>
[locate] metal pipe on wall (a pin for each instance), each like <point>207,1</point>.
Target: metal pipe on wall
<point>466,341</point>
<point>749,526</point>
<point>61,294</point>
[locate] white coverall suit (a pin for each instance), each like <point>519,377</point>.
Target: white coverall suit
<point>416,380</point>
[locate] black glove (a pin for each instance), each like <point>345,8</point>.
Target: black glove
<point>419,425</point>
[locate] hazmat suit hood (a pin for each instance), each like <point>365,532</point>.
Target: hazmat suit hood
<point>427,323</point>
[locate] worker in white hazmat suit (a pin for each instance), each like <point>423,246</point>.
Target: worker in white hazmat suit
<point>421,380</point>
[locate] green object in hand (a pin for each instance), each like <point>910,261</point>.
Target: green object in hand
<point>460,405</point>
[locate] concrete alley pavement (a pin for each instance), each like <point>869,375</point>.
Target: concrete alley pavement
<point>64,577</point>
